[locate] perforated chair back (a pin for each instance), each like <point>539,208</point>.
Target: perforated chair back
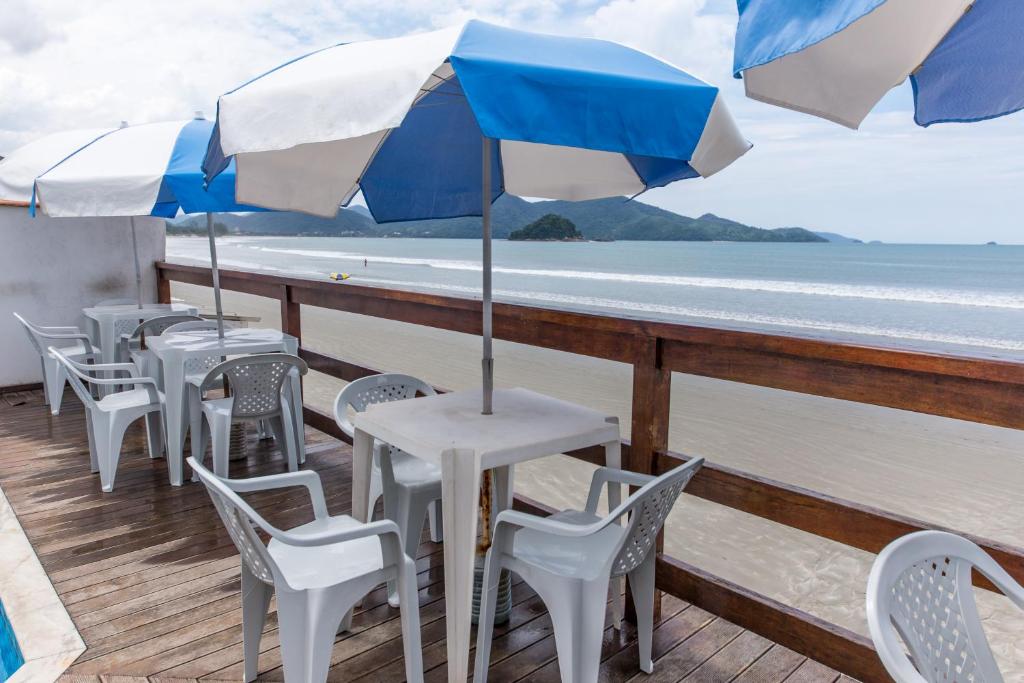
<point>255,382</point>
<point>382,388</point>
<point>154,327</point>
<point>920,592</point>
<point>240,520</point>
<point>191,326</point>
<point>647,509</point>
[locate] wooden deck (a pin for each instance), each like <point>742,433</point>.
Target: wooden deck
<point>151,579</point>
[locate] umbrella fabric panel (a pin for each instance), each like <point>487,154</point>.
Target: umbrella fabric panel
<point>839,76</point>
<point>977,71</point>
<point>769,29</point>
<point>183,185</point>
<point>120,174</point>
<point>342,92</point>
<point>578,92</point>
<point>430,166</point>
<point>19,170</point>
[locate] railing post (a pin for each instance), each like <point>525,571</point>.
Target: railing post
<point>291,322</point>
<point>652,393</point>
<point>163,287</point>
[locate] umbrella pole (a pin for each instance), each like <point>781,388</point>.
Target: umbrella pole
<point>488,356</point>
<point>216,276</point>
<point>138,268</point>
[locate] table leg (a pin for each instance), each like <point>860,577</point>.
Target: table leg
<point>460,487</point>
<point>108,348</point>
<point>174,401</point>
<point>613,458</point>
<point>362,466</point>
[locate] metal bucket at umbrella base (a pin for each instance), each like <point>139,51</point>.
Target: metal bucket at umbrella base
<point>503,604</point>
<point>503,607</point>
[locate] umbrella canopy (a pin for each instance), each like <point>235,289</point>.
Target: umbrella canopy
<point>837,58</point>
<point>438,125</point>
<point>152,169</point>
<point>404,119</point>
<point>19,169</point>
<point>147,170</point>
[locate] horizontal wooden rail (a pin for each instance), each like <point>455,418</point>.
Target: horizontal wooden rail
<point>988,390</point>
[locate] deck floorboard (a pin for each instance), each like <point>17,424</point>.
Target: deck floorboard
<point>151,579</point>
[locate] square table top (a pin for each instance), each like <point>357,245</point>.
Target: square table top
<point>201,341</point>
<point>524,425</point>
<point>132,310</point>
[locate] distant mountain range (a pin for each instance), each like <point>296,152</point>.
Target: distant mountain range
<point>604,219</point>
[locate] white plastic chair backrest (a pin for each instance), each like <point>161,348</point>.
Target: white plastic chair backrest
<point>367,391</point>
<point>240,520</point>
<point>647,509</point>
<point>920,592</point>
<point>115,302</point>
<point>75,377</point>
<point>255,382</point>
<point>191,326</point>
<point>154,327</point>
<point>33,334</point>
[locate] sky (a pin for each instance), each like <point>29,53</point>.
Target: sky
<point>71,64</point>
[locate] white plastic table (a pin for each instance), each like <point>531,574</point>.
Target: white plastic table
<point>448,430</point>
<point>106,324</point>
<point>177,349</point>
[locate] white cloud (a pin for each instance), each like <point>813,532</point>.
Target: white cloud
<point>68,64</point>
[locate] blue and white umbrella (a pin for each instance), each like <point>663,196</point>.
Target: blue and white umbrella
<point>438,125</point>
<point>146,170</point>
<point>837,58</point>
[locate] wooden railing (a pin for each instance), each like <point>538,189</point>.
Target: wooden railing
<point>989,391</point>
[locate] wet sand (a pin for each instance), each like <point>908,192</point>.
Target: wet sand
<point>952,473</point>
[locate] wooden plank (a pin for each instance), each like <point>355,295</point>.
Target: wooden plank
<point>982,394</point>
<point>832,645</point>
<point>774,665</point>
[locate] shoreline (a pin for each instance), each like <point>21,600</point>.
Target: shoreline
<point>951,473</point>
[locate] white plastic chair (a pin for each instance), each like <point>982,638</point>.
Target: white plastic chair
<point>318,570</point>
<point>108,418</point>
<point>570,558</point>
<point>920,599</point>
<point>255,385</point>
<point>71,341</point>
<point>411,487</point>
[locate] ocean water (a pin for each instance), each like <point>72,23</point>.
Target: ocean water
<point>938,297</point>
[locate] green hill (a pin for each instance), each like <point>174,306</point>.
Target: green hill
<point>548,228</point>
<point>614,218</point>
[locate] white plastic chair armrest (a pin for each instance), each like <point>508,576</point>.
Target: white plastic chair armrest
<point>611,475</point>
<point>522,520</point>
<point>307,478</point>
<point>68,335</point>
<point>59,329</point>
<point>379,528</point>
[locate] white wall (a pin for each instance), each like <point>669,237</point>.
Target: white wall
<point>51,268</point>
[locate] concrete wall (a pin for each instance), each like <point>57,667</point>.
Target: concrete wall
<point>51,268</point>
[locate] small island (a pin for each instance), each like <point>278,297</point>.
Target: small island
<point>548,228</point>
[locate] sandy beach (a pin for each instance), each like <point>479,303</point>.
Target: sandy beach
<point>952,473</point>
